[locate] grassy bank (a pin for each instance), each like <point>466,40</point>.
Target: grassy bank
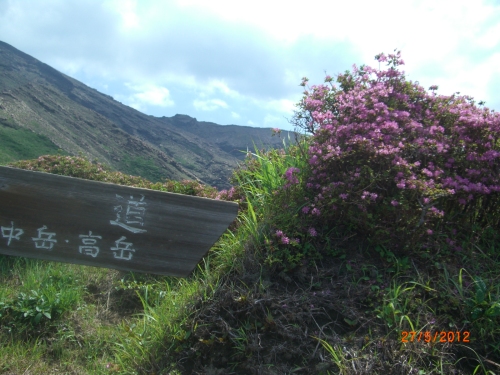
<point>345,309</point>
<point>18,144</point>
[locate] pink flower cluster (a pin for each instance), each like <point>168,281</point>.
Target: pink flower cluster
<point>314,211</point>
<point>233,194</point>
<point>284,239</point>
<point>312,232</point>
<point>291,177</point>
<point>427,143</point>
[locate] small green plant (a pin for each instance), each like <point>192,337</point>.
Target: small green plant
<point>396,307</point>
<point>372,276</point>
<point>483,304</point>
<point>32,307</point>
<point>240,340</point>
<point>337,355</point>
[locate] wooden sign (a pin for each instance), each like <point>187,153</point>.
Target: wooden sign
<point>68,219</point>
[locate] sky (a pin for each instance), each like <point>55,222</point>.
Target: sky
<point>241,62</point>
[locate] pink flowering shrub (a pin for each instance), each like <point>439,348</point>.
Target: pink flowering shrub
<point>396,162</point>
<point>80,167</point>
<point>291,175</point>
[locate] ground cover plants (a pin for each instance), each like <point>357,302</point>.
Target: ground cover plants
<point>370,244</point>
<point>17,143</point>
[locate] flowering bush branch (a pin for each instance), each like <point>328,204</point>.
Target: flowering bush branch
<point>385,151</point>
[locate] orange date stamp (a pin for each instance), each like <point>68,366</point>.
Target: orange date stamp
<point>437,336</point>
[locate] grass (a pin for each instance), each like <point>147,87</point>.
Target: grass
<point>18,144</point>
<point>139,166</point>
<point>242,312</point>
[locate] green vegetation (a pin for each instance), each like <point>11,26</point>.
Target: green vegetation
<point>18,144</point>
<point>139,166</point>
<point>187,164</point>
<point>309,279</point>
<point>356,304</point>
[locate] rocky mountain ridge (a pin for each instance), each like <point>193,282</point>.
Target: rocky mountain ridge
<point>76,119</point>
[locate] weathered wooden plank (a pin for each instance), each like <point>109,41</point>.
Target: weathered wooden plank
<point>93,223</point>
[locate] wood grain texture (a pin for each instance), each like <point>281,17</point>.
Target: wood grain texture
<point>93,223</point>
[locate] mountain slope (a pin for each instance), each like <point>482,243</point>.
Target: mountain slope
<point>76,118</point>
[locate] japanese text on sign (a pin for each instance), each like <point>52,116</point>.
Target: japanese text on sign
<point>11,233</point>
<point>129,215</point>
<point>46,240</point>
<point>89,242</point>
<point>132,214</point>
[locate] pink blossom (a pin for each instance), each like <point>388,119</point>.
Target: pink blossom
<point>290,175</point>
<point>411,138</point>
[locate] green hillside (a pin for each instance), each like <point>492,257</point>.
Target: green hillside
<point>18,144</point>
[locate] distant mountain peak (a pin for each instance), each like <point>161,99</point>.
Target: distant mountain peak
<point>184,117</point>
<point>76,118</point>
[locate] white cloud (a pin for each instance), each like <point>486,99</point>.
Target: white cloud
<point>149,95</point>
<point>281,105</point>
<point>271,120</point>
<point>216,85</point>
<point>127,9</point>
<point>490,39</point>
<point>209,105</point>
<point>250,57</point>
<point>200,85</point>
